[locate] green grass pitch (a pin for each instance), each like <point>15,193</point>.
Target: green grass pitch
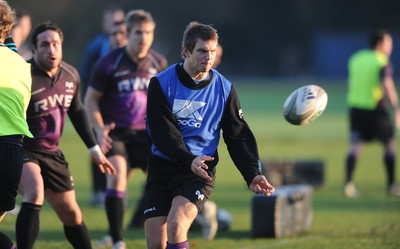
<point>372,221</point>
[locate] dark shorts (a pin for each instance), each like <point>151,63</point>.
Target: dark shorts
<point>367,125</point>
<point>11,160</point>
<point>161,188</point>
<point>54,169</point>
<point>133,145</point>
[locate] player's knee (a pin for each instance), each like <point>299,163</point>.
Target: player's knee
<point>176,228</point>
<point>151,244</point>
<point>71,217</point>
<point>33,195</point>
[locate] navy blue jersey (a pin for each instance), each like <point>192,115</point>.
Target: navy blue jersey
<point>185,120</point>
<point>96,48</point>
<point>124,84</point>
<point>52,99</point>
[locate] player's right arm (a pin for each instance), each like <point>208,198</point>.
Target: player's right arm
<point>92,99</point>
<point>163,128</point>
<point>166,136</point>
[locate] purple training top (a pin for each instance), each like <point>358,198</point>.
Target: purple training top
<point>124,85</point>
<point>50,101</point>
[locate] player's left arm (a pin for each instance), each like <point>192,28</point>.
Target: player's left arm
<point>242,146</point>
<point>239,139</point>
<point>260,185</point>
<point>390,91</point>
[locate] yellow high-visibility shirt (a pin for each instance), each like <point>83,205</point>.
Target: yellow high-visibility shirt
<point>15,93</point>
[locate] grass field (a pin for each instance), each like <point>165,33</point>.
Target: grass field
<point>372,221</point>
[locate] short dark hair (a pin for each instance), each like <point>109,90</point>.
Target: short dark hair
<point>195,31</point>
<point>376,36</point>
<point>42,28</point>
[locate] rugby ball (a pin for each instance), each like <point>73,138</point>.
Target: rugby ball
<point>305,104</point>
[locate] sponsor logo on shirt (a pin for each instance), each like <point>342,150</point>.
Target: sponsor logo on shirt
<point>53,101</point>
<point>200,196</point>
<point>186,112</point>
<point>69,86</point>
<point>133,84</point>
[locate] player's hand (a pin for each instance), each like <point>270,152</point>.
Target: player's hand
<point>100,159</point>
<point>199,168</point>
<point>260,185</point>
<point>103,138</point>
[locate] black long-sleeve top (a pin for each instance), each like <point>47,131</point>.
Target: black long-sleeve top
<point>175,136</point>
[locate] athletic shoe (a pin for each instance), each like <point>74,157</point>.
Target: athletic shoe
<point>394,190</point>
<point>105,242</point>
<point>351,191</point>
<point>119,245</point>
<point>208,220</point>
<point>97,199</point>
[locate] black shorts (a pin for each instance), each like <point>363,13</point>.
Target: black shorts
<point>161,188</point>
<point>132,145</point>
<point>367,125</point>
<point>54,169</point>
<point>11,160</point>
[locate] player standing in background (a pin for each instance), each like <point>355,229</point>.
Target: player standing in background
<point>116,101</point>
<point>45,174</point>
<point>371,91</point>
<point>188,105</point>
<point>118,37</point>
<point>15,91</point>
<point>99,46</point>
<point>96,48</point>
<point>20,34</point>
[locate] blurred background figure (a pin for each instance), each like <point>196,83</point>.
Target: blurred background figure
<point>118,37</point>
<point>113,20</point>
<point>372,99</point>
<point>20,34</point>
<point>100,44</point>
<point>116,101</point>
